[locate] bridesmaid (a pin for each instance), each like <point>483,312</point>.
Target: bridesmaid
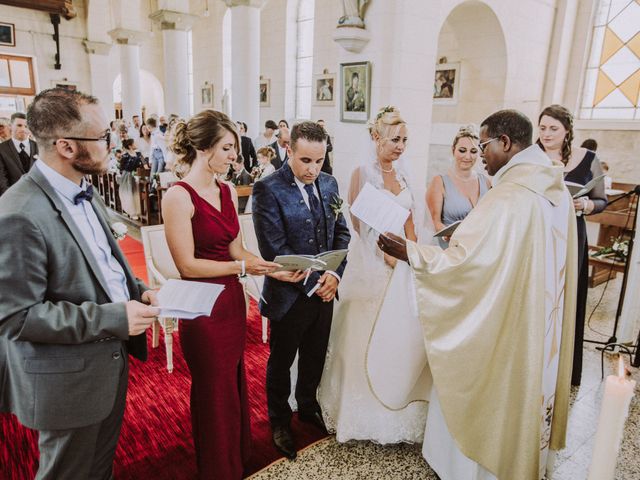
<point>555,129</point>
<point>451,197</point>
<point>203,234</point>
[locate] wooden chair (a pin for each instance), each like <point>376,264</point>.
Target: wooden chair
<point>160,268</point>
<point>253,287</point>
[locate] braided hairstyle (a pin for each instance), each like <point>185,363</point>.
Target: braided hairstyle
<point>387,118</point>
<point>564,116</point>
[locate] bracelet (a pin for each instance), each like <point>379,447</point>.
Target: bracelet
<point>243,271</point>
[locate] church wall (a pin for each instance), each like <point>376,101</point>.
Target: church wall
<point>273,48</point>
<point>207,55</point>
<point>33,31</point>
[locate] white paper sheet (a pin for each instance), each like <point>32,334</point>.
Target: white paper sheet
<point>186,299</point>
<point>379,211</point>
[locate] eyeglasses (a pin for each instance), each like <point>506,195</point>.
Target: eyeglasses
<point>482,145</point>
<point>106,137</point>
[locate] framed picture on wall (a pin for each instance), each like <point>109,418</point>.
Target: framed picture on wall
<point>324,89</point>
<point>265,92</point>
<point>355,99</point>
<point>446,83</point>
<point>7,34</point>
<point>206,95</point>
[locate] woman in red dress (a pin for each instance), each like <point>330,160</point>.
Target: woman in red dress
<point>203,233</point>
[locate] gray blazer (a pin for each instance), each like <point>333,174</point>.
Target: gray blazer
<point>60,334</point>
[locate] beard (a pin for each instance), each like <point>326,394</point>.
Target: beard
<point>86,164</point>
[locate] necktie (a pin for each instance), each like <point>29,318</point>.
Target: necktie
<point>24,158</point>
<point>314,203</point>
<point>84,195</point>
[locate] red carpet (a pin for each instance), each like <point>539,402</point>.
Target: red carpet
<point>156,434</point>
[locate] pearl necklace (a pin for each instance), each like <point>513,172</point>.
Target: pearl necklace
<point>386,171</point>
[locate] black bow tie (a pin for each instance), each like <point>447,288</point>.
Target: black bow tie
<point>84,195</point>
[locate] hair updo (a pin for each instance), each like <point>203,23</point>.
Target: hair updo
<point>386,122</point>
<point>202,132</point>
<point>266,152</point>
<point>466,131</point>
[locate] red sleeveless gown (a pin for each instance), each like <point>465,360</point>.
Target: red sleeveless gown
<point>213,348</point>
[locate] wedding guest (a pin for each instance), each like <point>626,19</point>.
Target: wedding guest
<point>17,154</point>
<point>326,166</point>
<point>247,149</point>
<point>555,129</point>
<point>368,391</point>
<point>76,313</point>
<point>158,148</point>
<point>265,166</point>
<point>130,161</point>
<point>203,234</point>
<point>281,147</point>
<point>144,142</point>
<point>5,129</point>
<point>240,176</point>
<point>134,129</point>
<point>268,136</point>
<point>498,311</point>
<point>283,124</point>
<point>451,196</point>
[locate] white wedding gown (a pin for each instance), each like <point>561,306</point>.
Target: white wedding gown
<point>376,381</point>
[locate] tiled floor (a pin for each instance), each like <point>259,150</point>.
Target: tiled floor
<point>364,460</point>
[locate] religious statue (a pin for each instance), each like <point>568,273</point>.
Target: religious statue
<point>354,11</point>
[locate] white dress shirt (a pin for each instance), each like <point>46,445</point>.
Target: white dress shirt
<point>26,143</point>
<point>87,222</point>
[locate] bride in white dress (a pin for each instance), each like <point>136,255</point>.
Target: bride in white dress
<point>376,382</point>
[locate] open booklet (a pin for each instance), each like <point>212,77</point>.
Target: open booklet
<point>448,230</point>
<point>578,190</point>
<point>378,210</point>
<point>330,260</point>
<point>187,300</point>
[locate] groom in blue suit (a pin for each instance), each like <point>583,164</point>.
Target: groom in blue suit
<point>292,214</point>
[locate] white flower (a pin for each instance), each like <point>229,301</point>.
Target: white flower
<point>119,230</point>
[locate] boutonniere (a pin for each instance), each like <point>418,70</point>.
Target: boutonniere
<point>119,230</point>
<point>337,205</point>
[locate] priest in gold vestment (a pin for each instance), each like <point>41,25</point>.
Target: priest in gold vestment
<point>498,326</point>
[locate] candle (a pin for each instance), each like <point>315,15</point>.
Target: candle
<point>613,413</point>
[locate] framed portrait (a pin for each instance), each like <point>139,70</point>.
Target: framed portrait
<point>355,99</point>
<point>206,95</point>
<point>265,92</point>
<point>446,84</point>
<point>7,34</point>
<point>324,89</point>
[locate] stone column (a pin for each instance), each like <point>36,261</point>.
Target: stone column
<point>129,44</point>
<point>174,26</point>
<point>99,68</point>
<point>245,69</point>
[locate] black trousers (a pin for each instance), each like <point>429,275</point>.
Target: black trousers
<point>581,300</point>
<point>304,329</point>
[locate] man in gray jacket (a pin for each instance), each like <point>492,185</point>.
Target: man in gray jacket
<point>71,311</point>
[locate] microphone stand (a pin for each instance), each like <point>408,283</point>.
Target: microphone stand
<point>613,340</point>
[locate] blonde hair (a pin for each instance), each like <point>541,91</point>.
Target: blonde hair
<point>266,152</point>
<point>387,119</point>
<point>466,131</point>
<point>202,132</point>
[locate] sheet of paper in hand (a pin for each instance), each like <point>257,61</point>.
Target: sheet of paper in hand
<point>577,190</point>
<point>448,230</point>
<point>187,300</point>
<point>330,260</point>
<point>378,210</point>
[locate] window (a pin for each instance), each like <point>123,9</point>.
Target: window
<point>612,80</point>
<point>16,76</point>
<point>304,58</point>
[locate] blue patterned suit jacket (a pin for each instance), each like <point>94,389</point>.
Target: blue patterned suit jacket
<point>284,226</point>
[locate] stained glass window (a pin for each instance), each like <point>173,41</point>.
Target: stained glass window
<point>612,81</point>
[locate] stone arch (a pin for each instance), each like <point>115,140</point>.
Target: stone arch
<point>472,40</point>
<point>151,92</point>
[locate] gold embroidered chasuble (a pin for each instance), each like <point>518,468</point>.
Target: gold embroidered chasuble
<point>482,308</point>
